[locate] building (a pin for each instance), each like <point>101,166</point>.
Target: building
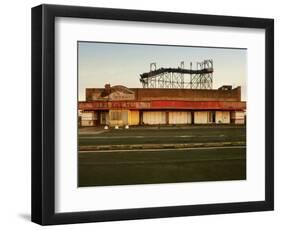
<point>122,106</point>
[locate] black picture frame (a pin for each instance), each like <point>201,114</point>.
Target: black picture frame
<point>43,114</point>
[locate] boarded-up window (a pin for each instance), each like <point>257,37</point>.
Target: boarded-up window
<point>222,117</point>
<point>134,118</point>
<point>179,117</point>
<point>116,115</point>
<point>153,118</point>
<point>201,117</point>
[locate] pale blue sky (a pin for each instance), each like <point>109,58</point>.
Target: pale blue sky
<point>121,64</point>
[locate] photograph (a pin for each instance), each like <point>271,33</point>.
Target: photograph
<point>150,113</point>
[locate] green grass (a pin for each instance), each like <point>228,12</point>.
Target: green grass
<point>123,168</point>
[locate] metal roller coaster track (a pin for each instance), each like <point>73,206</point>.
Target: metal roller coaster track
<point>199,78</point>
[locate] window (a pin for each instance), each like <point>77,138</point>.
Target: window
<point>115,115</point>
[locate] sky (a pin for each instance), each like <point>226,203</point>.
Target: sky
<point>121,64</point>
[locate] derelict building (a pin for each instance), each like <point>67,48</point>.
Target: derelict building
<point>168,97</point>
<point>122,106</point>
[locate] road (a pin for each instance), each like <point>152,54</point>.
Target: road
<point>133,166</point>
<point>163,136</point>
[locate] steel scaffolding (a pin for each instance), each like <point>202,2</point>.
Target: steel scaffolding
<point>199,78</point>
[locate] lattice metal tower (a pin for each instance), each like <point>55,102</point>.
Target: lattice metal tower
<point>200,78</point>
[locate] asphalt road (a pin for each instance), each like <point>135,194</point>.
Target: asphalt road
<point>163,136</point>
<point>123,167</point>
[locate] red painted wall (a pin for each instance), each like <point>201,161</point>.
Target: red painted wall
<point>163,104</point>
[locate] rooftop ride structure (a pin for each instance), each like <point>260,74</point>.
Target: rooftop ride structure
<point>199,78</point>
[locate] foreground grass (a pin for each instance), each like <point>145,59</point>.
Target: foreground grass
<point>148,167</point>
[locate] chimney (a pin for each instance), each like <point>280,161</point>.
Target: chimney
<point>107,89</point>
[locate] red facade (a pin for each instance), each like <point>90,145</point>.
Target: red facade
<point>163,104</point>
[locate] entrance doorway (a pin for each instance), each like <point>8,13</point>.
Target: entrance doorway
<point>212,117</point>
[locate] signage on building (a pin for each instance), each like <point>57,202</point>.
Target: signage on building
<point>113,105</point>
<point>201,105</point>
<point>121,96</point>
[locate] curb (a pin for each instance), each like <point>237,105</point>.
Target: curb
<point>160,146</point>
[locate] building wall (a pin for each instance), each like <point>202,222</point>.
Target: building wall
<point>237,117</point>
<point>175,99</point>
<point>144,94</point>
<point>188,94</point>
<point>132,117</point>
